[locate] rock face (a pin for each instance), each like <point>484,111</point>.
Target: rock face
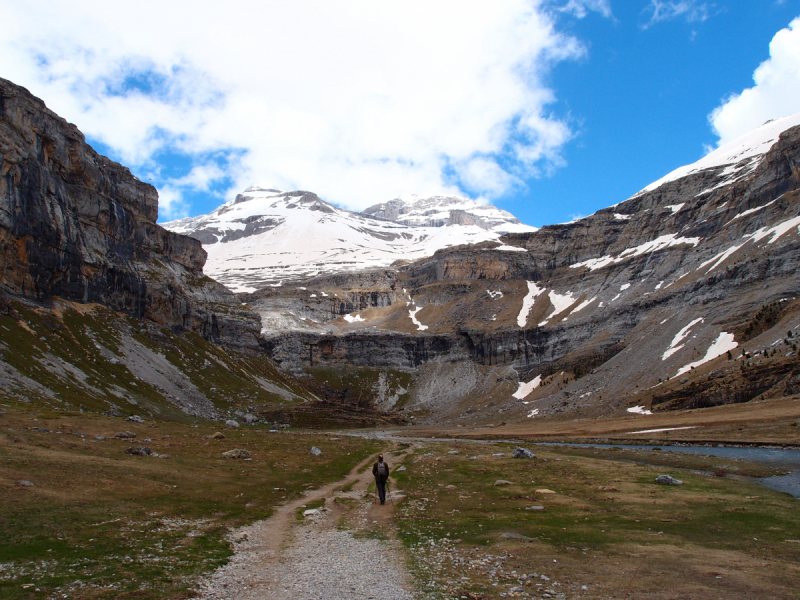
<point>76,225</point>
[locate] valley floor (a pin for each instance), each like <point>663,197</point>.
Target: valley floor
<point>90,521</point>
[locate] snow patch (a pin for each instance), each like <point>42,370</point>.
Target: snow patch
<point>533,413</point>
<point>662,429</point>
<point>621,217</point>
<point>639,410</point>
<point>724,343</point>
<point>679,337</point>
<point>494,295</point>
<point>527,303</point>
<point>354,318</point>
<point>413,315</point>
<point>675,207</point>
<point>752,210</point>
<point>526,388</point>
<point>507,248</point>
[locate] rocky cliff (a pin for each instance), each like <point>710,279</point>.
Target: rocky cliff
<point>76,225</point>
<point>633,306</point>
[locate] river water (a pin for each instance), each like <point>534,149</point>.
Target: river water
<point>781,458</point>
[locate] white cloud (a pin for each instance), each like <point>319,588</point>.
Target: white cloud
<point>360,101</point>
<point>691,10</point>
<point>171,204</point>
<point>776,92</point>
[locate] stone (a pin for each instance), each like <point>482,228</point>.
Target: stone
<point>139,451</point>
<point>164,456</point>
<point>26,483</point>
<point>250,419</point>
<point>534,507</point>
<point>544,491</point>
<point>236,453</point>
<point>114,413</point>
<point>668,480</point>
<point>518,589</point>
<point>473,458</point>
<point>310,512</point>
<point>315,451</point>
<point>218,436</point>
<point>231,423</point>
<point>520,452</point>
<point>125,435</point>
<point>509,535</point>
<point>502,482</point>
<point>400,468</point>
<point>99,438</point>
<point>135,419</point>
<point>454,452</point>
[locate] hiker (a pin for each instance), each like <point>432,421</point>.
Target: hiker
<point>381,472</point>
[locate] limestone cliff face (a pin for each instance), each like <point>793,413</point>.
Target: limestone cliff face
<point>617,309</point>
<point>76,225</point>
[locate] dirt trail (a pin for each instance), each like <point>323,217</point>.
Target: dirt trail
<point>345,551</point>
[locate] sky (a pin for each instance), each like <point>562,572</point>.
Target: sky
<point>551,109</point>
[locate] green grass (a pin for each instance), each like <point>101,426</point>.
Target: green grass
<point>103,524</point>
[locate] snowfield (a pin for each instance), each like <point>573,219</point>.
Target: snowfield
<point>267,236</point>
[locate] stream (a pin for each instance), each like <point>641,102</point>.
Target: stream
<point>781,458</point>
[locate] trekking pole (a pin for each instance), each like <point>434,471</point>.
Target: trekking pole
<point>389,492</point>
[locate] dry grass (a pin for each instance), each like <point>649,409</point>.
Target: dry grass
<point>608,527</point>
<point>100,523</point>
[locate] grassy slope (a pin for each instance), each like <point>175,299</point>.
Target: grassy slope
<point>608,527</point>
<point>100,523</point>
<point>66,350</point>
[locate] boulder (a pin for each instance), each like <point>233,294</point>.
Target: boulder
<point>236,453</point>
<point>250,419</point>
<point>454,452</point>
<point>502,482</point>
<point>125,435</point>
<point>520,452</point>
<point>218,436</point>
<point>315,451</point>
<point>26,483</point>
<point>508,535</point>
<point>544,491</point>
<point>534,507</point>
<point>135,419</point>
<point>139,451</point>
<point>400,468</point>
<point>668,480</point>
<point>231,423</point>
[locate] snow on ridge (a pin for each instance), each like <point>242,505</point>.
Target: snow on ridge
<point>661,242</point>
<point>776,231</point>
<point>740,156</point>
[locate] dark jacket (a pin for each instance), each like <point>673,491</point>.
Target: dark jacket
<point>375,470</point>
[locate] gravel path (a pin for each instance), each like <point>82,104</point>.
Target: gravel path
<point>277,559</point>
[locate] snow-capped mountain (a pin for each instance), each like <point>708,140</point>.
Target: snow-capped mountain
<point>267,236</point>
<point>438,211</point>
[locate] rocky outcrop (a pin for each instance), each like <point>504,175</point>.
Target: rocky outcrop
<point>76,225</point>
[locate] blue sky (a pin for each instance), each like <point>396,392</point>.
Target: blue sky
<point>551,109</point>
<point>640,100</point>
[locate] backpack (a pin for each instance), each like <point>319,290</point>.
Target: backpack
<point>381,470</point>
